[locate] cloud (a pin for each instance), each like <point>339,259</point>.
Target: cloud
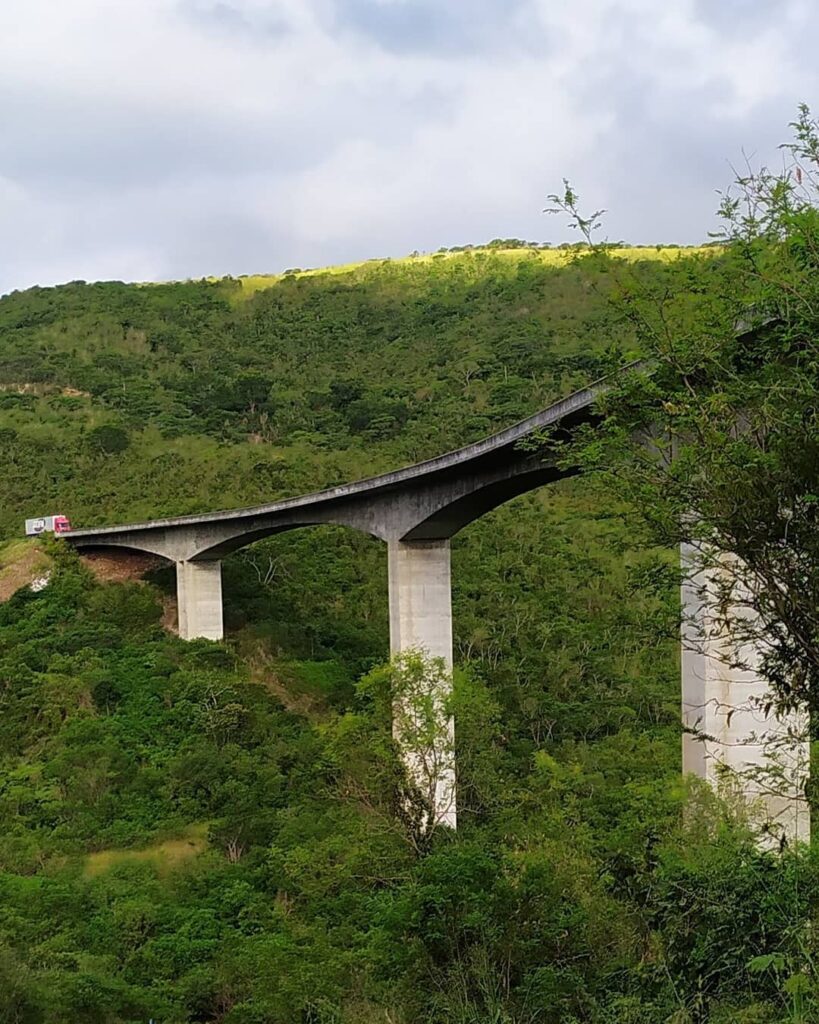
<point>176,138</point>
<point>226,18</point>
<point>455,28</point>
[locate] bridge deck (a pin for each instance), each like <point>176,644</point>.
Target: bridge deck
<point>574,405</point>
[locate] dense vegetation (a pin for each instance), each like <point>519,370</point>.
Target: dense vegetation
<point>204,832</point>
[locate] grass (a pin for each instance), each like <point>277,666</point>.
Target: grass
<point>13,551</point>
<point>21,562</point>
<point>253,283</point>
<point>165,856</point>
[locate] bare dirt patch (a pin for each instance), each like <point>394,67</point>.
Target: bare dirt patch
<point>170,614</point>
<point>120,566</point>
<point>22,564</point>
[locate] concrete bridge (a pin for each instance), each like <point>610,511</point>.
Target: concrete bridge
<point>416,511</point>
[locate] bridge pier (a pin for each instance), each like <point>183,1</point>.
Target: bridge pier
<point>199,599</point>
<point>421,620</point>
<point>731,742</point>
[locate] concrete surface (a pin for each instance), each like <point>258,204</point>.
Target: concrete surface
<point>199,599</point>
<point>731,741</point>
<point>421,620</point>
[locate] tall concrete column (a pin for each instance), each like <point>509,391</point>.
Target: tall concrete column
<point>421,620</point>
<point>199,598</point>
<point>731,741</point>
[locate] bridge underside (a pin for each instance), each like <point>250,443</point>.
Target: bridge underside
<point>434,508</point>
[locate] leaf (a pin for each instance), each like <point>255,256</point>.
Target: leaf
<point>760,964</point>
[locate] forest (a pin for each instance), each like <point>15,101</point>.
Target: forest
<point>205,832</point>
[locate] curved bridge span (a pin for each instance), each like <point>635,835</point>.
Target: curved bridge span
<point>428,501</point>
<point>417,510</point>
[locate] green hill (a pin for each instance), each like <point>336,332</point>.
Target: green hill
<point>202,833</point>
<point>235,391</point>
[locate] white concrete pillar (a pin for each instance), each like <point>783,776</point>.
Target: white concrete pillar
<point>199,598</point>
<point>733,743</point>
<point>421,620</point>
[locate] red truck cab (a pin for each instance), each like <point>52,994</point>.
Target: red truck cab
<point>62,524</point>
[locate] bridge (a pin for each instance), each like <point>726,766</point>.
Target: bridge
<point>416,511</point>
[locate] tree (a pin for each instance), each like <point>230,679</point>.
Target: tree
<point>108,439</point>
<point>728,395</point>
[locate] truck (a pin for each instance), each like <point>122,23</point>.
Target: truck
<point>47,524</point>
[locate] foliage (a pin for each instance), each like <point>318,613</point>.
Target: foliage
<point>728,393</point>
<point>219,832</point>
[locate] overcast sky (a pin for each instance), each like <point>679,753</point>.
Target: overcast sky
<point>155,139</point>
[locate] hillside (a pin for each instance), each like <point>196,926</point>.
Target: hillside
<point>202,832</point>
<point>306,379</point>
